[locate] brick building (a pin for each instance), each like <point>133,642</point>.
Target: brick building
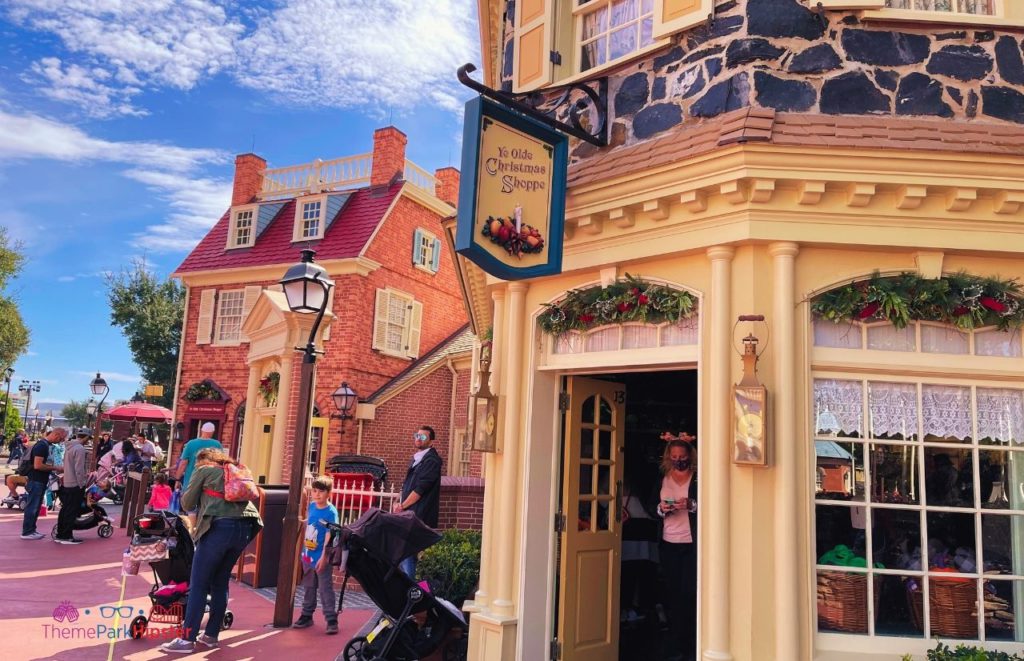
<point>395,330</point>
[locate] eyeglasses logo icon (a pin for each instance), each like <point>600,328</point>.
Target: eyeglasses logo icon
<point>109,611</point>
<point>65,610</point>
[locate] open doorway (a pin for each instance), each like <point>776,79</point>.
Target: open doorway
<point>644,606</point>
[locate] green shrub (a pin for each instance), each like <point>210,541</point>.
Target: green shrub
<point>943,652</point>
<point>452,566</point>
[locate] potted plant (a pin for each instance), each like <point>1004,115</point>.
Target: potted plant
<point>452,566</point>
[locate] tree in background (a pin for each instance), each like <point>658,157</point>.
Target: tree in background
<point>76,414</point>
<point>14,422</point>
<point>149,312</point>
<point>13,333</point>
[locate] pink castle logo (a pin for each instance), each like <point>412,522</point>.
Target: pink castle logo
<point>65,610</point>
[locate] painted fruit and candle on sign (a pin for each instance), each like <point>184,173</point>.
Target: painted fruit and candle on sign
<point>512,205</point>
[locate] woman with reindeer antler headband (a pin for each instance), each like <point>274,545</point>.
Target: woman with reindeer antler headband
<point>677,505</point>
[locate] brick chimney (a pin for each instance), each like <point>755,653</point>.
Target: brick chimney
<point>388,155</point>
<point>249,169</point>
<point>447,185</point>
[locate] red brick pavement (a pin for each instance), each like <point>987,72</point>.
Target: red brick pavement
<point>36,576</point>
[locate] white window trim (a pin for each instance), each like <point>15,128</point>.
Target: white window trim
<point>233,226</point>
<point>297,236</point>
<point>218,318</point>
<point>406,329</point>
<point>579,11</point>
<point>1006,15</point>
<point>425,266</point>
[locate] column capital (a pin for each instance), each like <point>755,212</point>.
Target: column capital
<point>518,287</point>
<point>498,294</point>
<point>783,248</point>
<point>721,253</point>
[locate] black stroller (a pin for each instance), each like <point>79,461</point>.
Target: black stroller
<point>167,606</point>
<point>92,517</point>
<point>414,622</point>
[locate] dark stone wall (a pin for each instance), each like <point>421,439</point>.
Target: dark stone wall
<point>781,54</point>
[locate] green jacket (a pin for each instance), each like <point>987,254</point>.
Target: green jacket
<point>210,507</point>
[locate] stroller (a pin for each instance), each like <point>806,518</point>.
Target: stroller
<point>169,593</point>
<point>414,622</point>
<point>95,517</point>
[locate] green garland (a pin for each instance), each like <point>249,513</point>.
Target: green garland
<point>963,300</point>
<point>201,390</point>
<point>632,299</point>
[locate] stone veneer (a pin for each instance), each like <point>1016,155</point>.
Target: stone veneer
<point>779,54</point>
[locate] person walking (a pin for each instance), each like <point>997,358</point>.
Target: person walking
<point>38,476</point>
<point>187,462</point>
<point>222,532</point>
<point>421,490</point>
<point>317,572</point>
<point>17,446</point>
<point>72,493</point>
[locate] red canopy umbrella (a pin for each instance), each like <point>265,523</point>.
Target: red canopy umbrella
<point>139,412</point>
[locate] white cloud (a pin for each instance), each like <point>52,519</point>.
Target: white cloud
<point>361,53</point>
<point>196,205</point>
<point>127,46</point>
<point>111,376</point>
<point>371,54</point>
<point>31,136</point>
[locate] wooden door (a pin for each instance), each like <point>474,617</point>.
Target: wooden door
<point>588,619</point>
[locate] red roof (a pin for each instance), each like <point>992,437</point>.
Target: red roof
<point>345,237</point>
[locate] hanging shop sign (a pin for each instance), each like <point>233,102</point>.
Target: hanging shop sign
<point>512,199</point>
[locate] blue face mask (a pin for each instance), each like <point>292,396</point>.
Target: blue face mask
<point>681,464</point>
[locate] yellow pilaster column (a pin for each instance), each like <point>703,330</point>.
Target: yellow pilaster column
<point>487,565</point>
<point>284,395</point>
<point>717,458</point>
<point>510,488</point>
<point>249,448</point>
<point>787,556</point>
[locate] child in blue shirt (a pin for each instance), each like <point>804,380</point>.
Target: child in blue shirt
<point>317,572</point>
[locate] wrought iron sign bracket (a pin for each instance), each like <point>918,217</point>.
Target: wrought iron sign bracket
<point>530,104</point>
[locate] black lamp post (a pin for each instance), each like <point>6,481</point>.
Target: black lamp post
<point>344,399</point>
<point>7,374</point>
<point>306,287</point>
<point>99,388</point>
<point>28,387</point>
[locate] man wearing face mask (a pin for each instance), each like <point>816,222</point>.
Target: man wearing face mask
<point>421,491</point>
<point>677,505</point>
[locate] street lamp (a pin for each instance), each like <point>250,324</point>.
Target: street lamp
<point>28,387</point>
<point>344,399</point>
<point>99,388</point>
<point>306,287</point>
<point>7,374</point>
<point>90,410</point>
<point>35,419</point>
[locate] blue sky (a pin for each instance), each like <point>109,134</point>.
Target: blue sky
<point>119,122</point>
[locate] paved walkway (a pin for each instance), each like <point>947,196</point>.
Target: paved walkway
<point>36,577</point>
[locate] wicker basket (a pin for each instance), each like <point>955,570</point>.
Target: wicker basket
<point>953,605</point>
<point>843,600</point>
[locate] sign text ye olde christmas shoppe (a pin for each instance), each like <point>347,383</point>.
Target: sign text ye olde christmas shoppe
<point>512,202</point>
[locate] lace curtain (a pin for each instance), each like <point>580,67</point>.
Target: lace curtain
<point>840,336</point>
<point>1001,415</point>
<point>892,409</point>
<point>947,411</point>
<point>837,406</point>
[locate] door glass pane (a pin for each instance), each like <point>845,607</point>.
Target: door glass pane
<point>892,410</point>
<point>954,603</point>
<point>943,339</point>
<point>585,517</point>
<point>605,339</point>
<point>949,477</point>
<point>951,545</point>
<point>839,474</point>
<point>604,480</point>
<point>605,416</point>
<point>586,479</point>
<point>1002,479</point>
<point>586,443</point>
<point>894,474</point>
<point>886,337</point>
<point>603,512</point>
<point>588,409</point>
<point>639,337</point>
<point>1002,598</point>
<point>947,413</point>
<point>604,444</point>
<point>1002,537</point>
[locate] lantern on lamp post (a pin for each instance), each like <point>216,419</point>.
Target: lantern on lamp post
<point>306,286</point>
<point>99,388</point>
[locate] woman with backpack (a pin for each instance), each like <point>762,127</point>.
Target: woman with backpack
<point>226,522</point>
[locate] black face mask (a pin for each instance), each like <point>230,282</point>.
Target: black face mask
<point>681,464</point>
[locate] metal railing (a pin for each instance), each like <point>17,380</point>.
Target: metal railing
<point>352,499</point>
<point>334,175</point>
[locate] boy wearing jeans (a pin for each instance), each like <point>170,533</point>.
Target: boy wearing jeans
<point>316,570</point>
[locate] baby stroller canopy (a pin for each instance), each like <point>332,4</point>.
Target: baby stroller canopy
<point>393,537</point>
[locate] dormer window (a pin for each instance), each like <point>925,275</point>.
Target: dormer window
<point>315,213</point>
<point>311,220</point>
<point>242,232</point>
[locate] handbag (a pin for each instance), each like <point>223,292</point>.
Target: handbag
<point>148,551</point>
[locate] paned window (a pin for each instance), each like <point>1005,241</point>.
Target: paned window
<point>610,30</point>
<point>981,7</point>
<point>396,324</point>
<point>922,337</point>
<point>426,251</point>
<point>243,227</point>
<point>627,336</point>
<point>311,220</point>
<point>230,307</point>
